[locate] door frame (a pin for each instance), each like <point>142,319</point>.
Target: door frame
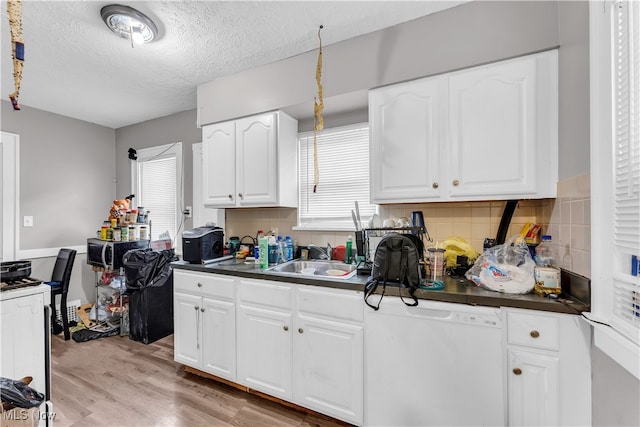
<point>10,145</point>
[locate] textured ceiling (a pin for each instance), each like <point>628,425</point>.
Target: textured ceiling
<point>75,66</point>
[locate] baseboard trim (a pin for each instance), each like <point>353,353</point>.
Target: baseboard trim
<point>46,252</point>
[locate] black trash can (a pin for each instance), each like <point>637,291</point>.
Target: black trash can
<point>150,288</point>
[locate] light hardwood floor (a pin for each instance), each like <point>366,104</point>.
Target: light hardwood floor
<point>115,381</point>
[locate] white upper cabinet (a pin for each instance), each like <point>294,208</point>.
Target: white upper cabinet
<point>484,133</point>
<point>219,164</point>
<point>406,128</point>
<point>251,162</point>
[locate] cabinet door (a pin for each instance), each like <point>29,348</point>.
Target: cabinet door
<point>256,160</point>
<point>219,167</point>
<point>22,340</point>
<point>265,351</point>
<point>492,117</point>
<point>534,385</point>
<point>187,337</point>
<point>219,338</point>
<point>406,127</point>
<point>329,369</point>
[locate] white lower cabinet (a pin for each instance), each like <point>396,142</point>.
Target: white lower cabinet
<point>548,369</point>
<point>328,353</point>
<point>24,351</point>
<point>533,389</point>
<point>205,323</point>
<point>265,337</point>
<point>302,344</point>
<point>306,345</point>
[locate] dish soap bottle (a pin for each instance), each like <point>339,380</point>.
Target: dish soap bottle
<point>289,242</point>
<point>347,255</point>
<point>263,250</point>
<point>546,271</point>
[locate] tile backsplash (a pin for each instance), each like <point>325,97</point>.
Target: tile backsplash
<point>567,218</point>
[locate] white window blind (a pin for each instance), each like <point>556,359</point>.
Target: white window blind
<point>343,162</point>
<point>158,188</point>
<point>626,72</point>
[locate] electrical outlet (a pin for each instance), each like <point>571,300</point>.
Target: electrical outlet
<point>188,212</point>
<point>28,221</point>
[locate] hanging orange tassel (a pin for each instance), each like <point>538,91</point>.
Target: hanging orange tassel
<point>14,10</point>
<point>318,121</point>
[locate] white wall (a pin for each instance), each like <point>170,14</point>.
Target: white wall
<point>573,22</point>
<point>179,127</point>
<point>67,173</point>
<point>471,34</point>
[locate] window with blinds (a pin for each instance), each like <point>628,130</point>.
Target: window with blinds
<point>626,72</point>
<point>158,183</point>
<point>343,163</point>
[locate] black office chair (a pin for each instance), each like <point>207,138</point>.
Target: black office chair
<point>60,286</point>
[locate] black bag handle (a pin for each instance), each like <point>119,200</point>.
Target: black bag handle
<point>404,260</point>
<point>369,288</point>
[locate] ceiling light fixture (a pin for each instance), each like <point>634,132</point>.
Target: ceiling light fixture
<point>129,24</point>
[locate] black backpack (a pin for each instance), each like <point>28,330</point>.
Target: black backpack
<point>396,260</point>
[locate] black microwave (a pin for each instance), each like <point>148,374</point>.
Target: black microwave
<point>108,255</point>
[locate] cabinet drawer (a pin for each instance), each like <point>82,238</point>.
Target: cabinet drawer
<point>265,293</point>
<point>204,284</point>
<point>331,303</point>
<point>533,330</point>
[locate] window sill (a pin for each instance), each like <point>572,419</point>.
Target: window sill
<point>616,346</point>
<point>324,228</point>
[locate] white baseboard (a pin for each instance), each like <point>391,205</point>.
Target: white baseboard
<point>46,252</point>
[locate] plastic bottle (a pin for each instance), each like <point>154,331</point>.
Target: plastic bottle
<point>347,255</point>
<point>256,248</point>
<point>272,250</point>
<point>263,247</point>
<point>289,242</point>
<point>546,271</point>
<point>282,250</point>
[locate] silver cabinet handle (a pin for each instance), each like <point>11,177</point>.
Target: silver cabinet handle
<point>435,185</point>
<point>230,197</point>
<point>202,309</point>
<point>196,308</point>
<point>456,182</point>
<point>285,327</point>
<point>300,330</point>
<point>240,195</point>
<point>517,371</point>
<point>197,328</point>
<point>534,334</point>
<point>199,285</point>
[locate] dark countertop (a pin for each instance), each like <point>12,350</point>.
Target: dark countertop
<point>457,290</point>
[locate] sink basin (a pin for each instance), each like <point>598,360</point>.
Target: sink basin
<point>315,268</point>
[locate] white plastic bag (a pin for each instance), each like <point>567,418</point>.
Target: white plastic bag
<point>505,268</point>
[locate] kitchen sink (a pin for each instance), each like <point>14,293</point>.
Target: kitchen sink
<point>315,268</point>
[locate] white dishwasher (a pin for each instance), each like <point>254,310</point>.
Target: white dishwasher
<point>434,364</point>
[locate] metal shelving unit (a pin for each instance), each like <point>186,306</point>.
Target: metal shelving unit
<point>104,293</point>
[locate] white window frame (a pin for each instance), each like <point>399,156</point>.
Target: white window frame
<point>164,151</point>
<point>346,224</point>
<point>10,147</point>
<point>612,340</point>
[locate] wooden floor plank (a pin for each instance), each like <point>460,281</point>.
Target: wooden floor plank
<point>115,381</point>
